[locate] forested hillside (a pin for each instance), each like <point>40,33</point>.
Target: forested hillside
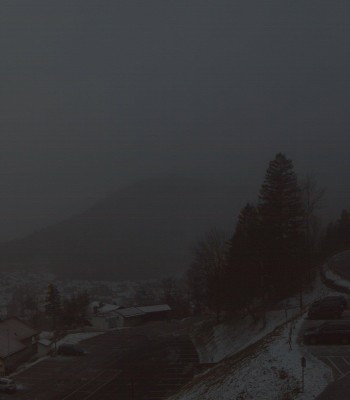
<point>145,230</point>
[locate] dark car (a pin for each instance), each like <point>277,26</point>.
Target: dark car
<point>68,349</point>
<point>335,299</point>
<point>325,311</point>
<point>328,333</point>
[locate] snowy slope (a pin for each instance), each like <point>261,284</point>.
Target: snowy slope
<point>273,371</point>
<point>269,370</point>
<point>214,341</point>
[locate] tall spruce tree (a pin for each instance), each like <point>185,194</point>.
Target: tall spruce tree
<point>281,214</point>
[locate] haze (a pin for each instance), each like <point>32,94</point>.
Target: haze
<point>98,94</point>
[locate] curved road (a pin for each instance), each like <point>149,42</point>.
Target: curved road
<point>340,264</point>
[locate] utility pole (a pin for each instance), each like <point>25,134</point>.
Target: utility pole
<point>262,285</point>
<point>54,333</point>
<point>303,365</point>
<point>8,348</point>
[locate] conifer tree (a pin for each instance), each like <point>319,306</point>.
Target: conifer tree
<point>52,300</point>
<point>281,214</point>
<point>243,258</point>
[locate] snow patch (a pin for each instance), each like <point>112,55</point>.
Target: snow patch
<point>335,279</point>
<point>272,371</point>
<point>214,342</point>
<point>270,374</point>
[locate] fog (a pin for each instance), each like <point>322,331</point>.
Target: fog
<point>98,94</point>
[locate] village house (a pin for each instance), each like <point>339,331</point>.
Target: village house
<point>105,317</point>
<point>18,344</point>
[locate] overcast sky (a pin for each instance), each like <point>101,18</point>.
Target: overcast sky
<point>96,94</point>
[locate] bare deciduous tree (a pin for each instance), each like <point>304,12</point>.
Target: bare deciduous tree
<point>208,270</point>
<point>312,196</point>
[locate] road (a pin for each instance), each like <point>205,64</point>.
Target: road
<point>339,263</point>
<point>137,363</point>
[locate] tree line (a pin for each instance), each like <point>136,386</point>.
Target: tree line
<point>274,250</point>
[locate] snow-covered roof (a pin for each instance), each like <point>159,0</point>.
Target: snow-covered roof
<point>74,338</point>
<point>107,315</point>
<point>130,312</point>
<point>153,309</point>
<point>136,311</point>
<point>107,308</point>
<point>45,342</point>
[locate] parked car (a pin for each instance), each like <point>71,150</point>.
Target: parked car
<point>68,349</point>
<point>325,311</point>
<point>335,299</point>
<point>328,333</point>
<point>7,385</point>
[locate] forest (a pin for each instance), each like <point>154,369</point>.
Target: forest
<point>275,251</point>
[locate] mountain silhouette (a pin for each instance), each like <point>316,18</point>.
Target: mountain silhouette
<point>142,231</point>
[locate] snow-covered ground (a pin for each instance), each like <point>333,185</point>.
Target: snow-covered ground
<point>218,341</point>
<point>271,370</point>
<point>335,279</point>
